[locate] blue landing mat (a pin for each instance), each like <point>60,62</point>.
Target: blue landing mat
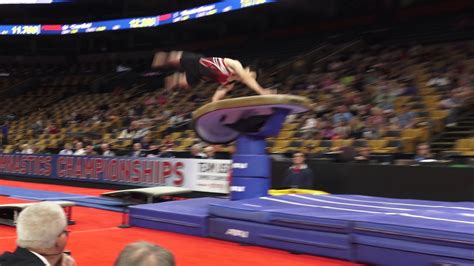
<point>184,216</point>
<point>81,200</point>
<point>422,232</point>
<point>318,243</point>
<point>343,210</point>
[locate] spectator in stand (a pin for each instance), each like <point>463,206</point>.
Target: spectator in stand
<point>175,119</point>
<point>384,101</point>
<point>196,152</point>
<point>356,128</point>
<point>309,127</point>
<point>41,237</point>
<point>106,150</point>
<point>210,152</point>
<point>299,175</point>
<point>153,151</point>
<point>423,152</point>
<point>141,132</point>
<point>80,151</point>
<point>137,150</point>
<point>26,149</point>
<point>167,141</point>
<point>363,155</point>
<point>37,127</point>
<point>409,89</point>
<point>342,115</point>
<point>348,153</point>
<point>130,132</point>
<point>51,129</point>
<point>5,131</point>
<point>165,152</point>
<point>67,150</point>
<point>452,104</point>
<point>144,254</point>
<point>327,131</point>
<point>406,118</point>
<point>37,148</point>
<point>90,150</point>
<point>341,130</point>
<point>393,122</point>
<point>439,81</point>
<point>146,142</point>
<point>377,119</point>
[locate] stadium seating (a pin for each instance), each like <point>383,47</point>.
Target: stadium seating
<point>57,97</point>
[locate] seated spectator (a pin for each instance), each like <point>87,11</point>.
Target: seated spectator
<point>309,127</point>
<point>452,104</point>
<point>342,115</point>
<point>51,129</point>
<point>137,150</point>
<point>356,128</point>
<point>438,81</point>
<point>196,152</point>
<point>37,127</point>
<point>299,175</point>
<point>153,151</point>
<point>377,118</point>
<point>80,149</point>
<point>106,150</point>
<point>37,148</point>
<point>67,150</point>
<point>41,237</point>
<point>341,130</point>
<point>309,152</point>
<point>371,133</point>
<point>146,142</point>
<point>406,118</point>
<point>167,141</point>
<point>363,155</point>
<point>90,150</point>
<point>26,149</point>
<point>348,154</point>
<point>175,119</point>
<point>144,254</point>
<point>165,152</point>
<point>141,132</point>
<point>385,102</point>
<point>129,132</point>
<point>423,152</point>
<point>327,133</point>
<point>409,89</point>
<point>5,130</point>
<point>210,152</point>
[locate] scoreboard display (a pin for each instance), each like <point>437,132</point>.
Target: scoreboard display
<point>131,23</point>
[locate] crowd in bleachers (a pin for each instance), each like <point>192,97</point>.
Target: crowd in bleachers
<point>385,99</point>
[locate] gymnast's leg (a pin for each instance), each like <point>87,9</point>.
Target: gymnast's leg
<point>167,59</point>
<point>176,80</point>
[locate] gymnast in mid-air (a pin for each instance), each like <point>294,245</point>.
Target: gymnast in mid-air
<point>196,67</point>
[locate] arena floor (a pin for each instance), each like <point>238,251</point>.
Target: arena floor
<point>96,239</point>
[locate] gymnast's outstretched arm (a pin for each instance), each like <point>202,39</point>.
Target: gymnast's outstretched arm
<point>221,92</point>
<point>246,76</point>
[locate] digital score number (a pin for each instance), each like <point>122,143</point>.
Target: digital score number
<point>142,22</point>
<point>248,3</point>
<point>26,30</point>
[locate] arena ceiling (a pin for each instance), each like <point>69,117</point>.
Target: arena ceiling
<point>252,22</point>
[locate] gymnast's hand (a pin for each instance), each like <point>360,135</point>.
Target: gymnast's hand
<point>268,91</point>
